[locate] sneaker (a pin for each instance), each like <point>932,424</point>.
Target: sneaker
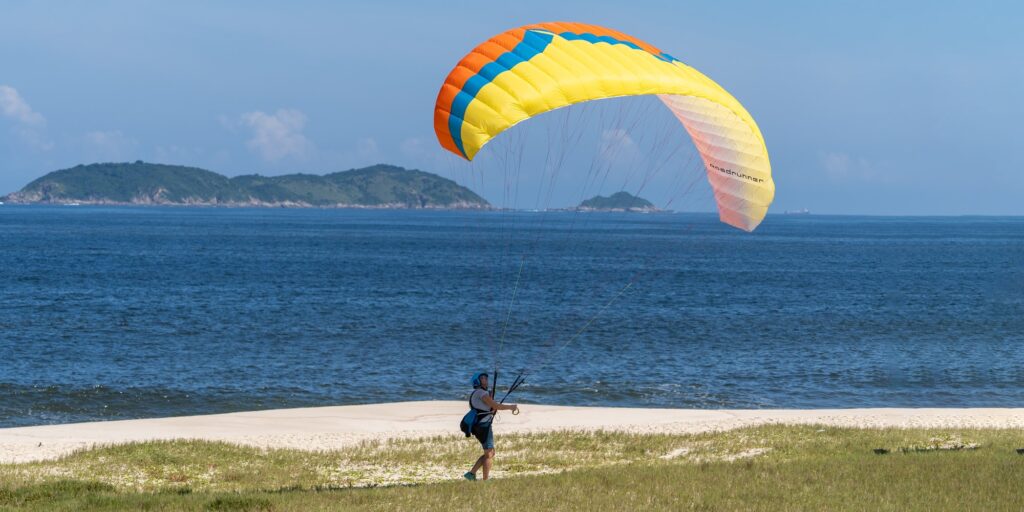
<point>469,476</point>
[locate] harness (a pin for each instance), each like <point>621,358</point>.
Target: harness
<point>474,417</point>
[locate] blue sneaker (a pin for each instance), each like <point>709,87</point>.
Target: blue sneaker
<point>469,476</point>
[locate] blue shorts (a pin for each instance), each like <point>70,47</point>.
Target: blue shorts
<point>485,434</point>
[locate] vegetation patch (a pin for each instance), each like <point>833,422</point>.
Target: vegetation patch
<point>759,468</point>
<point>378,186</point>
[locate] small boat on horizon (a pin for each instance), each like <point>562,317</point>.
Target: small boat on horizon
<point>802,211</point>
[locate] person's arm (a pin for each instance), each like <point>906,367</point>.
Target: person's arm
<point>494,405</point>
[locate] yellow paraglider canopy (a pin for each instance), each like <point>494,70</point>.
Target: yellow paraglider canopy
<point>537,68</point>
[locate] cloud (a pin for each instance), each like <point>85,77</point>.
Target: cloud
<point>29,124</point>
<point>15,107</point>
<point>836,165</point>
<point>422,153</point>
<point>110,145</point>
<point>278,135</point>
<point>173,153</point>
<point>412,147</point>
<point>844,167</point>
<point>367,148</point>
<point>617,147</point>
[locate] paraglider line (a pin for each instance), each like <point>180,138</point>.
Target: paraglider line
<point>589,322</point>
<point>593,318</point>
<point>508,315</point>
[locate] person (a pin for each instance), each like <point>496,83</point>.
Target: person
<point>486,407</point>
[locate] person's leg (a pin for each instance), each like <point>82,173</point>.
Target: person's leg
<point>488,452</point>
<point>482,434</point>
<point>479,462</point>
<point>488,460</point>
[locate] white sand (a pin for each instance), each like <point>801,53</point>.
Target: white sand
<point>326,428</point>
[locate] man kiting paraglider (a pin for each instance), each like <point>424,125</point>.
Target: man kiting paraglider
<point>530,70</point>
<point>478,421</point>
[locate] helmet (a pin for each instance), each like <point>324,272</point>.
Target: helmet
<point>476,379</point>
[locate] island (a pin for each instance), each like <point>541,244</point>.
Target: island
<point>141,183</point>
<point>617,202</point>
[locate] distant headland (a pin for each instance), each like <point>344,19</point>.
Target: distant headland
<point>141,183</point>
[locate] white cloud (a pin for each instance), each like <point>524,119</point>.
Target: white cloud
<point>844,167</point>
<point>836,165</point>
<point>367,148</point>
<point>110,145</point>
<point>172,154</point>
<point>278,135</point>
<point>617,147</point>
<point>423,153</point>
<point>15,107</point>
<point>29,124</point>
<point>412,147</point>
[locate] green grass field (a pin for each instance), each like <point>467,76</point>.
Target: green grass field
<point>760,468</point>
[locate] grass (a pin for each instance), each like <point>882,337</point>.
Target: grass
<point>759,468</point>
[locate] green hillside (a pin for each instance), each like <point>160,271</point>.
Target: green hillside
<point>145,183</point>
<point>619,201</point>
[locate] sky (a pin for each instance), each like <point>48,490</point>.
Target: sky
<point>879,108</point>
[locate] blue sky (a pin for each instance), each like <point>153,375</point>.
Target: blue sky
<point>867,108</point>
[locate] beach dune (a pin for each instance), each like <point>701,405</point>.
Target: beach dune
<point>327,428</point>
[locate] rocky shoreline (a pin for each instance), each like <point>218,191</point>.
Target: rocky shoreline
<point>13,199</point>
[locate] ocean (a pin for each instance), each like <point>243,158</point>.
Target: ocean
<point>132,312</point>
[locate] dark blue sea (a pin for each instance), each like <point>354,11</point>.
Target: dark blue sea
<point>112,313</point>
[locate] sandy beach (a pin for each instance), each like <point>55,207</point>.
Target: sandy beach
<point>327,428</point>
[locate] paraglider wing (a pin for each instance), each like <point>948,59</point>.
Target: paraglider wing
<point>537,68</point>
